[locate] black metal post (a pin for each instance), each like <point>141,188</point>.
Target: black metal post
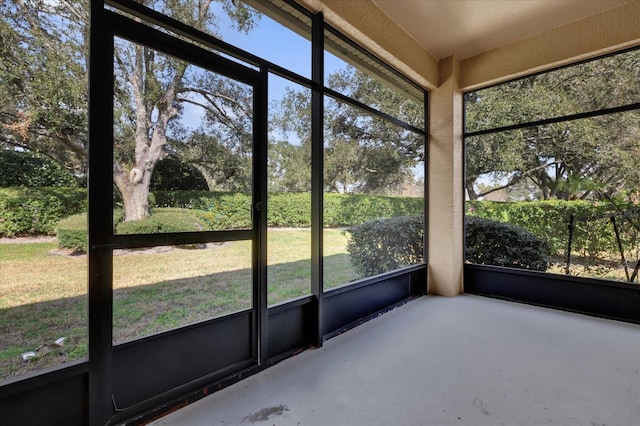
<point>317,167</point>
<point>425,181</point>
<point>619,241</point>
<point>260,150</point>
<point>635,271</point>
<point>571,227</point>
<point>100,216</point>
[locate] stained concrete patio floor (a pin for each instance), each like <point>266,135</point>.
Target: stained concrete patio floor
<point>466,360</point>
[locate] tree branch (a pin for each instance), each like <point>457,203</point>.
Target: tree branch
<point>517,178</point>
<point>75,12</point>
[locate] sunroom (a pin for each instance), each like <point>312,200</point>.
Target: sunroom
<point>235,212</point>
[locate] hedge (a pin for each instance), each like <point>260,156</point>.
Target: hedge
<point>165,220</point>
<point>549,220</point>
<point>72,231</point>
<point>37,210</point>
<point>27,211</point>
<point>291,209</point>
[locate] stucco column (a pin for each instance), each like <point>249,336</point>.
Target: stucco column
<point>446,202</point>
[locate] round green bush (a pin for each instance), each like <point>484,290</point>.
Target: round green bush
<point>163,221</point>
<point>489,242</point>
<point>383,245</point>
<point>72,231</point>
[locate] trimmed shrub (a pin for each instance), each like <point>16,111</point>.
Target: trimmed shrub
<point>356,209</point>
<point>164,220</point>
<point>200,200</point>
<point>384,245</point>
<point>72,233</point>
<point>489,242</point>
<point>289,209</point>
<point>27,211</point>
<point>232,211</point>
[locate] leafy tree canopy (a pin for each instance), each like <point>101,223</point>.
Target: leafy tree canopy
<point>363,153</point>
<point>44,78</point>
<point>572,160</point>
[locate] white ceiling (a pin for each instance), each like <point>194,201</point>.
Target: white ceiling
<point>465,28</point>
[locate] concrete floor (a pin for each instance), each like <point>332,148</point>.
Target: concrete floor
<point>466,360</point>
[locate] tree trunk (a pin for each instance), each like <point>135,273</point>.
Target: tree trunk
<point>134,189</point>
<point>471,192</point>
<point>136,202</point>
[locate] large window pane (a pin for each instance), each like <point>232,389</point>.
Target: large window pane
<point>602,83</point>
<point>256,31</point>
<point>373,174</point>
<point>539,177</point>
<point>359,75</point>
<point>43,140</point>
<point>163,288</point>
<point>387,96</point>
<point>183,141</point>
<point>289,191</point>
<point>43,298</point>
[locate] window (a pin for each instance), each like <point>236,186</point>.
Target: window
<point>199,120</point>
<point>43,280</point>
<point>553,152</point>
<point>289,191</point>
<point>373,184</point>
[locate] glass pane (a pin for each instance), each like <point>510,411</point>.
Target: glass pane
<point>162,288</point>
<point>374,195</point>
<point>183,145</point>
<point>354,73</point>
<point>289,191</point>
<point>537,177</point>
<point>43,298</point>
<point>376,93</point>
<point>260,32</point>
<point>43,275</point>
<point>590,86</point>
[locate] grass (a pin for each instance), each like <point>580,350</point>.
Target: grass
<point>44,296</point>
<point>606,267</point>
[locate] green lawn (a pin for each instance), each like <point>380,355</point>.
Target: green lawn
<point>43,295</point>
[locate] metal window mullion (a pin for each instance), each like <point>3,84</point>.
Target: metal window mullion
<point>317,169</point>
<point>555,120</point>
<point>425,213</point>
<point>141,34</point>
<point>100,216</point>
<point>260,152</point>
<point>374,112</point>
<point>153,17</point>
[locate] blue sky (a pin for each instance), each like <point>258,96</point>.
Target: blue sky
<point>275,43</point>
